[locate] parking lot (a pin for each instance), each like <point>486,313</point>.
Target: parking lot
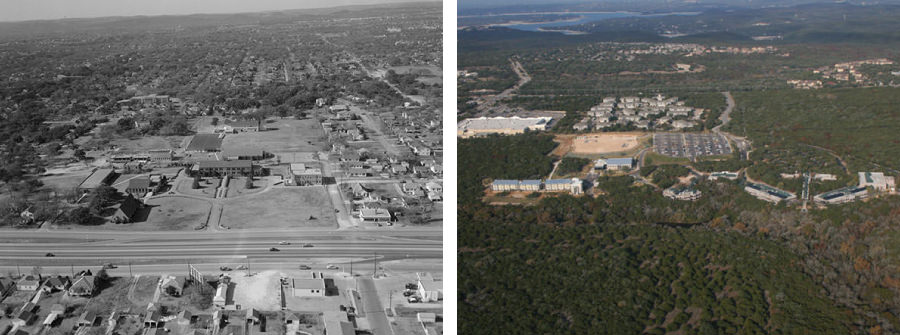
<point>690,145</point>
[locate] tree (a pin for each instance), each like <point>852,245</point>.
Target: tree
<point>196,184</point>
<point>249,183</point>
<point>80,154</point>
<point>79,215</point>
<point>215,121</point>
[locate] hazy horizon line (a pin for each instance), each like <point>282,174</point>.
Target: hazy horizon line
<point>239,11</point>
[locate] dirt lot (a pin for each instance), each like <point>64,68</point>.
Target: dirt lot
<point>175,213</point>
<point>604,143</point>
<point>288,135</point>
<point>281,208</point>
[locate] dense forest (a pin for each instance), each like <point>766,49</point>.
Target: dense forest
<point>727,263</point>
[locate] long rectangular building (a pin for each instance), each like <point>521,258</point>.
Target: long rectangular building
<point>96,179</point>
<point>842,195</point>
<point>768,193</point>
<point>224,168</point>
<point>501,125</point>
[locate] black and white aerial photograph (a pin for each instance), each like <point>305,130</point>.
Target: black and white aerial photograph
<point>221,167</point>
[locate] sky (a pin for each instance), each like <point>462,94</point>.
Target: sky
<point>24,10</point>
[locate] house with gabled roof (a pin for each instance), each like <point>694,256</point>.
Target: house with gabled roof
<point>56,284</point>
<point>173,285</point>
<point>84,286</point>
<point>126,211</point>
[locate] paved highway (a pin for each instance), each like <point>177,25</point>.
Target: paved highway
<point>30,248</point>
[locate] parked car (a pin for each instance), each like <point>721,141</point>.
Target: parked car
<point>274,249</point>
<point>224,268</point>
<point>242,267</point>
<point>305,267</point>
<point>109,266</point>
<point>50,254</point>
<point>331,267</point>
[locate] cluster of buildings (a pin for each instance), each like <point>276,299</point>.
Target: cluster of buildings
<point>501,125</point>
<point>573,186</point>
<point>849,71</point>
<point>19,297</point>
<point>691,49</point>
<point>876,181</point>
<point>643,113</point>
<point>682,193</point>
<point>805,84</point>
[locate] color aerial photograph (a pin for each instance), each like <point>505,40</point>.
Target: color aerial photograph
<point>678,167</point>
<point>221,167</point>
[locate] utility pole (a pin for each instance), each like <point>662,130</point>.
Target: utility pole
<point>130,273</point>
<point>351,266</point>
<point>374,265</point>
<point>18,270</point>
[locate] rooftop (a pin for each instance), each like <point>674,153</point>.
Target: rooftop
<point>515,122</point>
<point>309,283</point>
<point>96,178</point>
<point>205,142</point>
<point>224,164</point>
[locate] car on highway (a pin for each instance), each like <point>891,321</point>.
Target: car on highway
<point>284,243</point>
<point>274,249</point>
<point>305,267</point>
<point>224,268</point>
<point>109,266</point>
<point>308,245</point>
<point>50,254</point>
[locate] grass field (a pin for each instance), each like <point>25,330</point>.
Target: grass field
<point>285,136</point>
<point>207,187</point>
<point>652,158</point>
<point>237,186</point>
<point>145,143</point>
<point>281,208</point>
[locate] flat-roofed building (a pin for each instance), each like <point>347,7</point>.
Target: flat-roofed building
<point>842,195</point>
<point>250,154</point>
<point>205,143</point>
<point>723,174</point>
<point>504,185</point>
<point>337,323</point>
<point>375,215</point>
<point>308,287</point>
<point>224,168</point>
<point>768,193</point>
<point>573,185</point>
<point>162,156</point>
<point>530,185</point>
<point>96,179</point>
<point>877,180</point>
<point>243,126</point>
<point>302,175</point>
<point>501,125</point>
<point>619,163</point>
